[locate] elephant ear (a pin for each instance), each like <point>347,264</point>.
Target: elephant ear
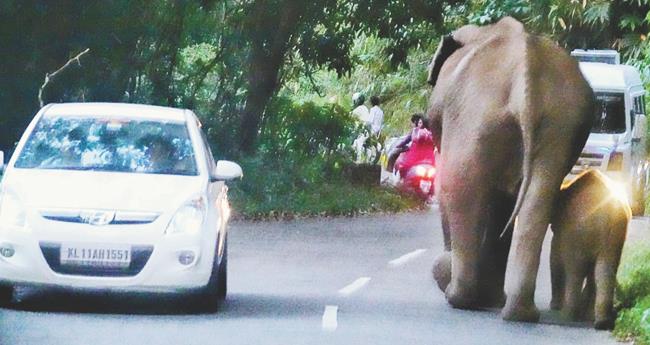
<point>448,45</point>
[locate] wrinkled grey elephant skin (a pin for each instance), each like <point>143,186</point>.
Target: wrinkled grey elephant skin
<point>589,228</point>
<point>510,113</point>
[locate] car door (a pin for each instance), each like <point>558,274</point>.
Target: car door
<point>217,195</point>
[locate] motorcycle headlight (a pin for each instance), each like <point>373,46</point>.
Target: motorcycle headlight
<point>188,218</point>
<point>420,171</point>
<point>431,172</point>
<point>12,212</point>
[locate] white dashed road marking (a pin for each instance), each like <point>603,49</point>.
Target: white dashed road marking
<point>356,285</point>
<point>330,322</point>
<point>406,257</point>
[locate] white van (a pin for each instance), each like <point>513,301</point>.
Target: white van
<point>617,143</point>
<point>115,196</point>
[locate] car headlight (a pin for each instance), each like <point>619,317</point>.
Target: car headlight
<point>188,218</point>
<point>12,212</point>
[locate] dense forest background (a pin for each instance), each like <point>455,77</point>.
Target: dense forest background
<point>261,72</point>
<point>271,80</point>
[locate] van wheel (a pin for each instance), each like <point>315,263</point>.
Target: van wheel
<point>638,200</point>
<point>638,204</point>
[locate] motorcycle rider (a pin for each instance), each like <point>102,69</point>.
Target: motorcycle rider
<point>420,150</point>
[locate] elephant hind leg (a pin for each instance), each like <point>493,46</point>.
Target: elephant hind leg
<point>557,275</point>
<point>494,252</point>
<point>589,295</point>
<point>605,277</point>
<point>573,302</point>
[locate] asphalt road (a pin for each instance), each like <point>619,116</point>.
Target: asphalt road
<point>362,280</point>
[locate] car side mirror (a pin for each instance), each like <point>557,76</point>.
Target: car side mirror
<point>226,170</point>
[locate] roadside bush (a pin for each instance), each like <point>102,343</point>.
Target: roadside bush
<point>306,129</point>
<point>633,295</point>
<point>302,168</point>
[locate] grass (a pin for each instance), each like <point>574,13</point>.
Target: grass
<point>633,295</point>
<point>335,199</point>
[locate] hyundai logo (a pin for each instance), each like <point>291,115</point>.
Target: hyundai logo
<point>98,218</point>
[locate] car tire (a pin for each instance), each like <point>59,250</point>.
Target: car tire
<point>222,282</point>
<point>6,294</point>
<point>214,293</point>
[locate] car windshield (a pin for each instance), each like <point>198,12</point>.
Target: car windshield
<point>109,144</point>
<point>609,113</point>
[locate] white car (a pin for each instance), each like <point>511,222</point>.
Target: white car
<point>115,196</point>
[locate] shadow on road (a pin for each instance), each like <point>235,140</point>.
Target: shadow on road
<point>235,305</point>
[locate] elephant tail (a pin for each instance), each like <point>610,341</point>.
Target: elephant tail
<point>522,193</point>
<point>527,133</point>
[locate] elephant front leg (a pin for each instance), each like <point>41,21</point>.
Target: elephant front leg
<point>442,270</point>
<point>605,279</point>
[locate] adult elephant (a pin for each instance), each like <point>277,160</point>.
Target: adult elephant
<point>511,113</point>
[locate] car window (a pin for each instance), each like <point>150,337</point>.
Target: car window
<point>209,157</point>
<point>609,113</point>
<point>109,144</point>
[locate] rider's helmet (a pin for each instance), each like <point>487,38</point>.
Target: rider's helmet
<point>358,99</point>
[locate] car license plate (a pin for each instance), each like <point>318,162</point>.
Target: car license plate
<point>425,186</point>
<point>96,255</point>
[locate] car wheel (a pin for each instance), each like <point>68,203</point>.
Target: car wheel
<point>222,281</point>
<point>211,295</point>
<point>6,294</point>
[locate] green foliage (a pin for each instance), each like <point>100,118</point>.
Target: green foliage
<point>305,130</point>
<point>303,189</point>
<point>403,90</point>
<point>300,167</point>
<point>633,276</point>
<point>633,294</point>
<point>634,323</point>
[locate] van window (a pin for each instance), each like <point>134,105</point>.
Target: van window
<point>609,113</point>
<point>639,105</point>
<point>109,144</point>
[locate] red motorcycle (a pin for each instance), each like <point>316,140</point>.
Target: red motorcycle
<point>415,168</point>
<point>419,179</point>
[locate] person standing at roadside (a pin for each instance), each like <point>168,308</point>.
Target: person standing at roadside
<point>359,109</point>
<point>376,116</point>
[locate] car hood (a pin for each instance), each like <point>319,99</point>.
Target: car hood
<point>100,190</point>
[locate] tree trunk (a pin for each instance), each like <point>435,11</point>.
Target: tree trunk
<point>270,41</point>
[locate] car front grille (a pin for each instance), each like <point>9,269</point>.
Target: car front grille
<point>586,161</point>
<point>87,216</point>
<point>139,254</point>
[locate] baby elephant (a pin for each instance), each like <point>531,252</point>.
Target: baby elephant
<point>589,227</point>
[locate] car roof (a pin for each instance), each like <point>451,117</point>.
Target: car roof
<point>608,76</point>
<point>130,110</point>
